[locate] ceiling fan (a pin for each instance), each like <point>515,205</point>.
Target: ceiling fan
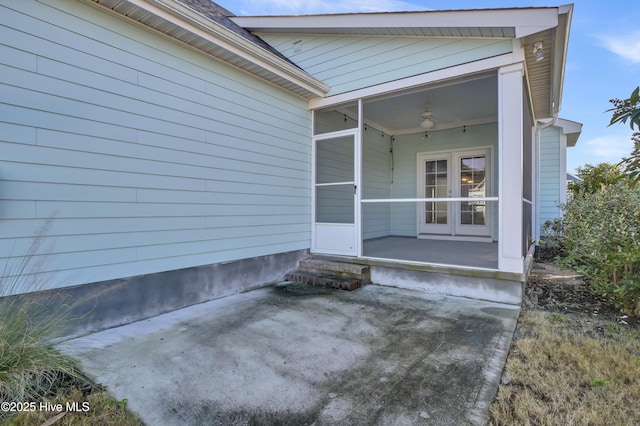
<point>426,120</point>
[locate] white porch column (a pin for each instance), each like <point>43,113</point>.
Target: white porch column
<point>510,140</point>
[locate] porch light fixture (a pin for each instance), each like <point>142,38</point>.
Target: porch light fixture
<point>426,121</point>
<point>538,51</point>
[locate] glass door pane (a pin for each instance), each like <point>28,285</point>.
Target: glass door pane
<point>473,184</point>
<point>436,184</point>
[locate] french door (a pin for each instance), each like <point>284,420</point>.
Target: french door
<point>458,174</point>
<point>335,192</point>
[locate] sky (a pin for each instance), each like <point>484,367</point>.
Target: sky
<point>603,61</point>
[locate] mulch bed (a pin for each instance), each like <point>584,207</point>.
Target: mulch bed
<point>566,291</point>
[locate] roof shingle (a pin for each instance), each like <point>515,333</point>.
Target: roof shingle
<point>220,15</point>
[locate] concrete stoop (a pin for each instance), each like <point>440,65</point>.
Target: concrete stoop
<point>330,274</point>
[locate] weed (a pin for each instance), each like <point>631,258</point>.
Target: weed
<point>557,318</point>
<point>111,403</point>
<point>613,327</point>
<point>596,381</point>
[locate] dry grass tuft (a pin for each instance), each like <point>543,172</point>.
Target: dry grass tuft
<point>32,370</point>
<point>570,369</point>
<point>31,367</point>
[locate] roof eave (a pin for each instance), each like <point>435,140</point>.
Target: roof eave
<point>209,36</point>
<point>546,76</point>
<point>522,21</point>
<point>565,14</point>
<point>572,129</point>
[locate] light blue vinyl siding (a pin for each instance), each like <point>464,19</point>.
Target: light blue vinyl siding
<point>354,62</point>
<point>376,183</point>
<point>138,155</point>
<point>550,175</point>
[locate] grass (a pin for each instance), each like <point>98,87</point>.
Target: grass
<point>29,367</point>
<point>95,409</point>
<point>571,369</point>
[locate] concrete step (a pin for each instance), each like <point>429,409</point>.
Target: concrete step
<point>323,280</point>
<point>338,269</point>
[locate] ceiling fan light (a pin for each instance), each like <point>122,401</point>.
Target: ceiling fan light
<point>427,123</point>
<point>426,114</point>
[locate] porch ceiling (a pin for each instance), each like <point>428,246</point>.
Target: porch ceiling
<point>468,101</point>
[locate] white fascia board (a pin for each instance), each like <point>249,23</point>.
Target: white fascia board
<point>571,130</point>
<point>562,43</point>
<point>526,21</point>
<point>191,21</point>
<point>568,127</point>
<point>406,83</point>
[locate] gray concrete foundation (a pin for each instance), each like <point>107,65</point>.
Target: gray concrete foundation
<point>101,305</point>
<point>481,288</point>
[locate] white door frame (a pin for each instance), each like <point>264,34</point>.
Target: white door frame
<point>337,238</point>
<point>454,229</point>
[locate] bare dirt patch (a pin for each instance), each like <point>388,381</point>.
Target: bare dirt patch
<point>551,287</point>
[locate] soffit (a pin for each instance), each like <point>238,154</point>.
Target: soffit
<point>539,74</point>
<point>546,76</point>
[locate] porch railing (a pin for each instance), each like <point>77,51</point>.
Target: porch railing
<point>428,200</point>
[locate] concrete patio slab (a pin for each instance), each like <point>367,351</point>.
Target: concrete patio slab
<point>294,354</point>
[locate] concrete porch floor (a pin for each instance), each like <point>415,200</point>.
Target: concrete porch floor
<point>446,252</point>
<point>293,354</point>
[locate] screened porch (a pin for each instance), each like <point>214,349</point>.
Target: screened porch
<point>414,177</point>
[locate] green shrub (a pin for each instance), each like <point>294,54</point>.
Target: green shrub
<point>595,177</point>
<point>602,240</point>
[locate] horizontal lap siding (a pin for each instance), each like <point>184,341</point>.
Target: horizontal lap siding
<point>376,183</point>
<point>138,155</point>
<point>354,62</point>
<point>550,174</point>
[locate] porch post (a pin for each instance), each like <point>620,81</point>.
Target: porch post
<point>510,141</point>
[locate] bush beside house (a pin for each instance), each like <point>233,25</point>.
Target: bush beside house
<point>602,240</point>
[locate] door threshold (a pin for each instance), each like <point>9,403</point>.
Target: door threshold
<point>471,238</point>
